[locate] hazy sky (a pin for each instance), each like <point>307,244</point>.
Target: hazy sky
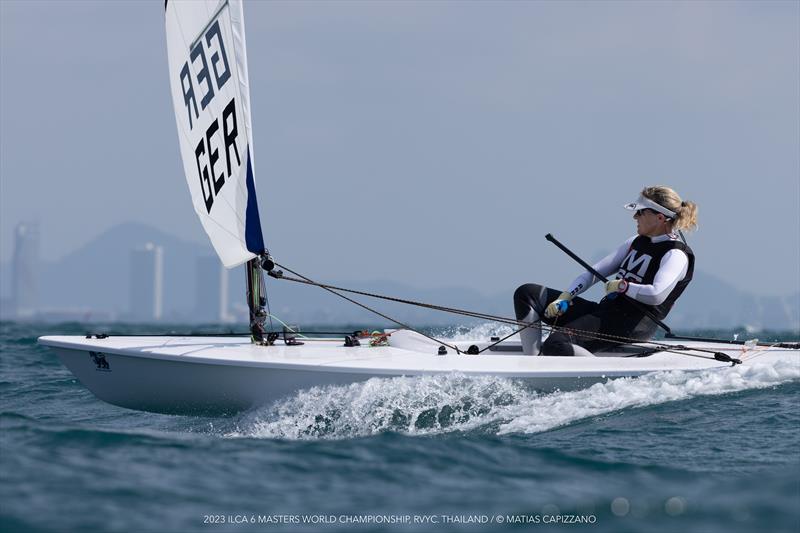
<point>433,143</point>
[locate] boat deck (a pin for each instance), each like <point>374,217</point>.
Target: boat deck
<point>406,356</point>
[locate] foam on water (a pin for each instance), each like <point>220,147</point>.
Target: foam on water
<point>474,332</point>
<point>446,403</point>
<point>549,411</point>
<point>420,405</point>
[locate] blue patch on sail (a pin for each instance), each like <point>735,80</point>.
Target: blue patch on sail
<point>252,222</point>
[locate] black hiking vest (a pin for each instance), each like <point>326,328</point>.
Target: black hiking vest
<point>642,262</point>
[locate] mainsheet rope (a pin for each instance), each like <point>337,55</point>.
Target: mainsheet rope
<point>719,356</point>
<point>333,290</point>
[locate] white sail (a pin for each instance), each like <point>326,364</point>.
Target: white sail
<point>211,97</point>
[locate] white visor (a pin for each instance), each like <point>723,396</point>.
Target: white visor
<point>646,203</point>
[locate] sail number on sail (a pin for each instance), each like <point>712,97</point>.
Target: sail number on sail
<point>198,82</point>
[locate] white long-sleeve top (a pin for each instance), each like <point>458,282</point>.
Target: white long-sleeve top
<point>671,270</point>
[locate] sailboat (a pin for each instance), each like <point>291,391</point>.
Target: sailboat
<point>223,374</point>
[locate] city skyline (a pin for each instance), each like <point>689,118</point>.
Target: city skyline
<point>147,294</point>
<point>196,289</point>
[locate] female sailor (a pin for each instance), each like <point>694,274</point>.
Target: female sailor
<point>653,268</point>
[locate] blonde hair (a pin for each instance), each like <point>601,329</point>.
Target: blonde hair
<point>686,217</point>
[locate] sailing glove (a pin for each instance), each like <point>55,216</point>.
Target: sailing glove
<point>616,286</point>
<point>558,306</point>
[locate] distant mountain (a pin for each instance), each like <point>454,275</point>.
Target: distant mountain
<point>97,277</point>
<point>710,303</point>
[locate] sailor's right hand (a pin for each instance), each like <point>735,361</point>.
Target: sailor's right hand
<point>558,306</point>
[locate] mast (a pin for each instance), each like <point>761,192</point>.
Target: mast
<point>211,99</point>
<point>256,300</point>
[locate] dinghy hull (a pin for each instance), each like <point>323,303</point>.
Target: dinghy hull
<point>195,375</point>
<point>184,387</point>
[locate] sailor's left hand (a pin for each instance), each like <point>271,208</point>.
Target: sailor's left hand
<point>558,306</point>
<point>616,286</point>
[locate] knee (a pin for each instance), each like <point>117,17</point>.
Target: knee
<point>524,297</point>
<point>527,292</point>
<point>520,292</point>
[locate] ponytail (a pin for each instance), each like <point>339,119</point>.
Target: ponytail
<point>686,212</point>
<point>687,217</point>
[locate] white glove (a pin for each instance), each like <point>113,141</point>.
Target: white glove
<point>558,306</point>
<point>616,286</point>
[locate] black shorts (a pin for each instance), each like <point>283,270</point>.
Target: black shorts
<point>584,319</point>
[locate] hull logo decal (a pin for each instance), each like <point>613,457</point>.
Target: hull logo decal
<point>100,361</point>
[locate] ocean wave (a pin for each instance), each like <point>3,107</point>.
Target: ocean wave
<point>561,408</point>
<point>414,405</point>
<point>446,403</point>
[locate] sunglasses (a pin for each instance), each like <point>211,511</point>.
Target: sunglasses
<point>641,212</point>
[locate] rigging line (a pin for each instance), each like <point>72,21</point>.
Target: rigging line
<point>581,333</point>
<point>453,310</point>
<point>759,353</point>
<point>506,337</point>
<point>520,330</point>
<point>203,334</point>
<point>781,344</point>
<point>509,321</point>
<point>718,356</point>
<point>287,326</point>
<point>372,310</point>
<point>619,339</point>
<point>662,347</point>
<point>577,332</point>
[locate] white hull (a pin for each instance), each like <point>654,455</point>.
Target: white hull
<point>196,375</point>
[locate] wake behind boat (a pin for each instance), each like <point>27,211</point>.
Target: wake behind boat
<point>194,374</point>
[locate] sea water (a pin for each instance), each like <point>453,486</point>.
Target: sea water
<point>702,451</point>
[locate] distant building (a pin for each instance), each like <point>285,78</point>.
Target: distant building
<point>25,270</point>
<point>147,282</point>
<point>211,293</point>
